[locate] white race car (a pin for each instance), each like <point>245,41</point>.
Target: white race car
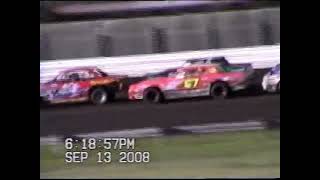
<point>271,81</point>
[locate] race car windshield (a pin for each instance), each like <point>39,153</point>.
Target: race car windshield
<point>276,69</point>
<point>165,73</point>
<point>222,61</point>
<point>74,77</point>
<point>197,61</point>
<point>61,77</point>
<point>103,74</point>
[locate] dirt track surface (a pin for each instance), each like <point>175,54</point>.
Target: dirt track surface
<point>68,120</point>
<point>122,114</point>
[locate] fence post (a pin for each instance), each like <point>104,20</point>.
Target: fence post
<point>213,38</point>
<point>159,40</point>
<point>45,52</point>
<point>104,45</point>
<point>266,33</point>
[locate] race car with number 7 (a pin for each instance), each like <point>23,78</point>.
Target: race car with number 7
<point>192,81</point>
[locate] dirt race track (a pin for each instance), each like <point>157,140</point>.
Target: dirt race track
<point>85,118</point>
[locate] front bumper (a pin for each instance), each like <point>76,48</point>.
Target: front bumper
<point>271,88</point>
<point>135,95</point>
<point>270,83</point>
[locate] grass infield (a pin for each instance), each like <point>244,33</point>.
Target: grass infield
<point>232,154</point>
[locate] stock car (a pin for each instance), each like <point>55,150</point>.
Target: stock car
<point>192,81</point>
<point>271,81</point>
<point>79,85</point>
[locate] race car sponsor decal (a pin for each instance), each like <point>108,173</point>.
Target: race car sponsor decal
<point>69,90</point>
<point>191,83</point>
<point>98,82</point>
<point>227,78</point>
<point>54,85</point>
<point>69,100</point>
<point>172,85</point>
<point>187,93</point>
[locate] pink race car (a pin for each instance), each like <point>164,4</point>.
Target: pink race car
<point>202,80</point>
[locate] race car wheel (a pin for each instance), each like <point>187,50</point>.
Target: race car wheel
<point>278,88</point>
<point>153,95</point>
<point>43,103</point>
<point>219,90</point>
<point>99,96</point>
<point>111,96</point>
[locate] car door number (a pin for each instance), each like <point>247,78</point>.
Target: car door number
<point>191,83</point>
<point>69,89</point>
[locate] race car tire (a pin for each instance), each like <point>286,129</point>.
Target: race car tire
<point>99,96</point>
<point>219,90</point>
<point>153,95</point>
<point>43,103</point>
<point>278,88</point>
<point>111,95</point>
<point>255,90</point>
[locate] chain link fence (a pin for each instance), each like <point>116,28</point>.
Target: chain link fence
<point>121,37</point>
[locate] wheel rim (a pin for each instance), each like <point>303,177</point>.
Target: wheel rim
<point>219,91</point>
<point>99,97</point>
<point>151,96</point>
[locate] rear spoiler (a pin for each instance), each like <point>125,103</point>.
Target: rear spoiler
<point>247,66</point>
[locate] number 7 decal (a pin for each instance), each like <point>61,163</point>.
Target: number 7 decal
<point>191,83</point>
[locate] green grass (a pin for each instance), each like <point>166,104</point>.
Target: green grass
<point>236,154</point>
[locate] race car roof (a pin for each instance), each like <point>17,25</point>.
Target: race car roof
<point>199,66</point>
<point>221,58</point>
<point>81,68</point>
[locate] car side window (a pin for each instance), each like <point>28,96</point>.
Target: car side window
<point>192,72</point>
<point>201,70</point>
<point>99,73</point>
<point>172,74</point>
<point>84,75</point>
<point>221,61</point>
<point>180,75</point>
<point>74,76</point>
<point>69,76</point>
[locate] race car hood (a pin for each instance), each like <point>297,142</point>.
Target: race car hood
<point>43,85</point>
<point>43,89</point>
<point>153,81</point>
<point>149,82</point>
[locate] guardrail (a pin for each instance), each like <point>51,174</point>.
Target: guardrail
<point>138,65</point>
